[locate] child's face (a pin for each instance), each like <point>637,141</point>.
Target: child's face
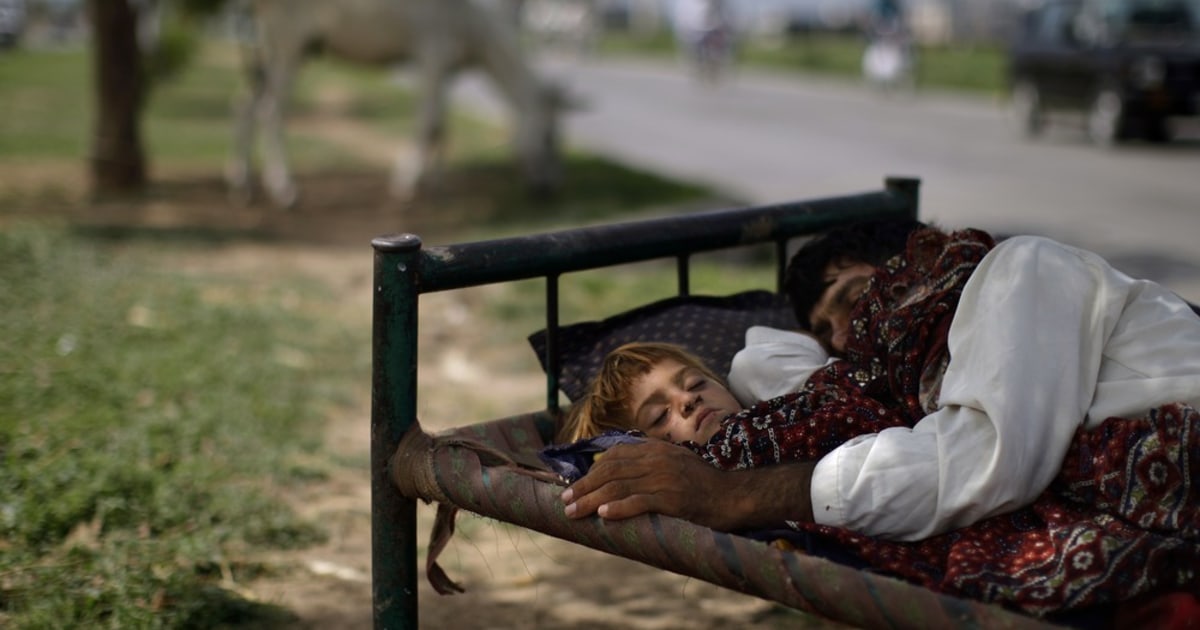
<point>677,403</point>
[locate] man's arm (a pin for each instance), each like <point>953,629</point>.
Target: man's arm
<point>1025,345</point>
<point>664,478</point>
<point>774,362</point>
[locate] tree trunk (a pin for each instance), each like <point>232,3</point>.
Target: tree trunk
<point>117,162</point>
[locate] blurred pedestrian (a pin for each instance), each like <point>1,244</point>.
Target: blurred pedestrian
<point>704,32</point>
<point>889,59</point>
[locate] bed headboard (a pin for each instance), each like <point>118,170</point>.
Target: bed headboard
<point>405,268</point>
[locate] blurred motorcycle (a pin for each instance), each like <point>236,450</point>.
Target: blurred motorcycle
<point>888,62</point>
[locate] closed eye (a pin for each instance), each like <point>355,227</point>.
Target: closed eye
<point>849,293</point>
<point>657,418</point>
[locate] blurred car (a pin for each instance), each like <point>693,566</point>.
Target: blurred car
<point>1128,66</point>
<point>12,22</point>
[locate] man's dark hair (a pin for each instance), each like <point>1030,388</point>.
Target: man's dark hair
<point>871,242</point>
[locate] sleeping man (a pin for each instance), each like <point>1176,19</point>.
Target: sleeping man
<point>1045,411</point>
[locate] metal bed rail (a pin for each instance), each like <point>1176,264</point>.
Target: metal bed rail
<point>405,268</point>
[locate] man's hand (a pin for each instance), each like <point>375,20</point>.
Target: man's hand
<point>668,479</point>
<point>654,476</point>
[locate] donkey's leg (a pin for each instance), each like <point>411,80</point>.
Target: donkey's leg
<point>272,112</point>
<point>240,170</point>
<point>417,165</point>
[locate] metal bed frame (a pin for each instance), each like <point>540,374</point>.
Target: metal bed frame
<point>405,268</point>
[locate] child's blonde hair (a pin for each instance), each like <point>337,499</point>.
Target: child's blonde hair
<point>605,405</point>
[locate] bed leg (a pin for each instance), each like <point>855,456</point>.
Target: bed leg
<point>393,411</point>
<point>909,189</point>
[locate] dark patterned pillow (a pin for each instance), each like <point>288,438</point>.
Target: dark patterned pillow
<point>713,328</point>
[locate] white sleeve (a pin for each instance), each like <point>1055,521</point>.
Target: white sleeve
<point>1025,346</point>
<point>774,362</point>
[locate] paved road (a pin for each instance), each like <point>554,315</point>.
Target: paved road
<point>766,138</point>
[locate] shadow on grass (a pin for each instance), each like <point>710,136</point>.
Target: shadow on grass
<point>215,607</point>
<point>490,194</point>
<point>471,200</point>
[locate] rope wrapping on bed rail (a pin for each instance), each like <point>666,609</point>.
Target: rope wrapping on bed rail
<point>412,466</point>
<point>481,469</point>
<point>412,470</point>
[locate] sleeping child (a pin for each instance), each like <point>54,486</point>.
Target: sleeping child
<point>662,391</point>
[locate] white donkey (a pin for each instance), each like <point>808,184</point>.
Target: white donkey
<point>440,36</point>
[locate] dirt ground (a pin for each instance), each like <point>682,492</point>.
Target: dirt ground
<point>514,578</point>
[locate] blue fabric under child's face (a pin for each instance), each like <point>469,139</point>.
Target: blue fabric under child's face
<point>679,403</point>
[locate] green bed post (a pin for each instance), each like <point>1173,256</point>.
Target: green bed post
<point>393,411</point>
<point>909,188</point>
<point>553,367</point>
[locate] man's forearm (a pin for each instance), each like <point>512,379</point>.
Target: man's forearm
<point>764,497</point>
<point>660,477</point>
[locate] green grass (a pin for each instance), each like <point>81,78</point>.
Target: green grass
<point>44,104</point>
<point>978,69</point>
<point>832,55</point>
<point>46,110</point>
<point>658,44</point>
<point>146,418</point>
<point>975,69</point>
<point>46,114</point>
